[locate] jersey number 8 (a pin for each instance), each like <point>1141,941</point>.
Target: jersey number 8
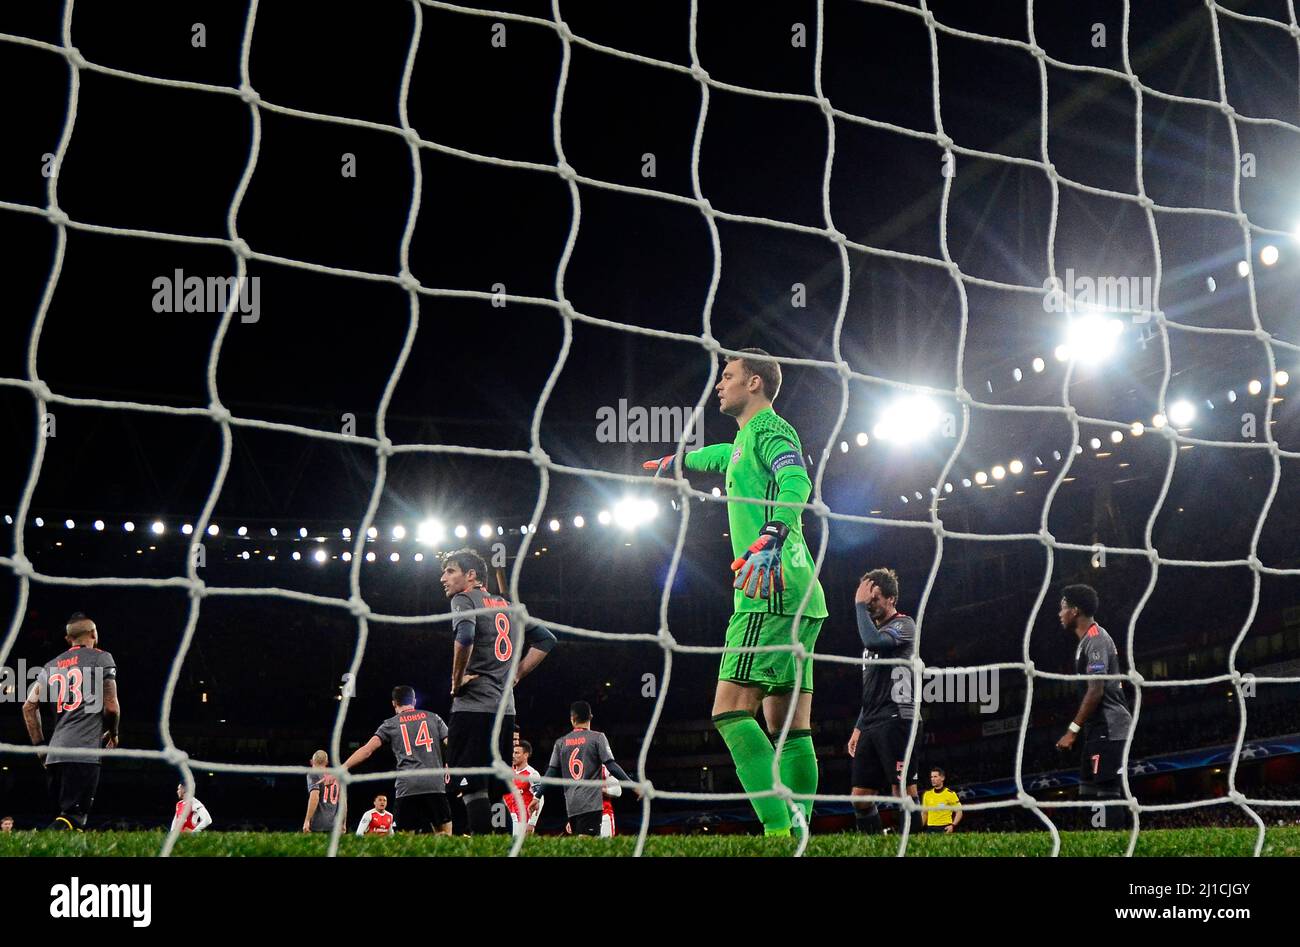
<point>502,647</point>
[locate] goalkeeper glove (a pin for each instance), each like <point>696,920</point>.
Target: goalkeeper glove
<point>661,465</point>
<point>758,571</point>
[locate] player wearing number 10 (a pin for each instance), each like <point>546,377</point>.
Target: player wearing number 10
<point>480,677</point>
<point>773,571</point>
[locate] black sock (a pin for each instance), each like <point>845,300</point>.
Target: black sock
<point>868,819</point>
<point>479,812</point>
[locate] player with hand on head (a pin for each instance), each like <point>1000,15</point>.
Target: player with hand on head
<point>417,738</point>
<point>583,753</point>
<point>878,744</point>
<point>191,815</point>
<point>773,569</point>
<point>81,684</point>
<point>526,778</point>
<point>378,821</point>
<point>1103,714</point>
<point>480,676</point>
<point>323,797</point>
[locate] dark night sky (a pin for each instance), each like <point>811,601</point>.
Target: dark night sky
<point>168,160</point>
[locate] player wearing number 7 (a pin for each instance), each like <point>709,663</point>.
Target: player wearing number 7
<point>773,571</point>
<point>480,677</point>
<point>416,738</point>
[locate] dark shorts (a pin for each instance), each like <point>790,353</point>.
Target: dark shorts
<point>427,812</point>
<point>1099,765</point>
<point>586,823</point>
<point>937,829</point>
<point>469,743</point>
<point>72,787</point>
<point>878,762</point>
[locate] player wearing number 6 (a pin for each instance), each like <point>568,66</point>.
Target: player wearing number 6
<point>773,569</point>
<point>416,738</point>
<point>582,754</point>
<point>480,682</point>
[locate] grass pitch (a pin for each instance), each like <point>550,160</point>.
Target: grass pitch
<point>1282,841</point>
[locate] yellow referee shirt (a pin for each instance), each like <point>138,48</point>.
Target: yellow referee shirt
<point>946,797</point>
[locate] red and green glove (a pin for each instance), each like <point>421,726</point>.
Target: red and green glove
<point>758,571</point>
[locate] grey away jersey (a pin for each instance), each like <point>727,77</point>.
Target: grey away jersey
<point>887,688</point>
<point>73,686</point>
<point>328,806</point>
<point>580,755</point>
<point>415,738</point>
<point>1097,654</point>
<point>495,639</point>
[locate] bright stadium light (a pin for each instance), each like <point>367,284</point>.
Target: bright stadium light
<point>371,533</point>
<point>399,531</point>
<point>604,517</point>
<point>947,488</point>
<point>296,555</point>
<point>965,481</point>
<point>274,531</point>
<point>128,525</point>
<point>1137,429</point>
<point>370,556</point>
<point>1243,268</point>
<point>632,512</point>
<point>99,526</point>
<point>484,530</point>
<point>157,527</point>
<point>187,528</point>
<point>981,477</point>
<point>1116,436</point>
<point>419,557</point>
<point>579,522</point>
<point>1157,421</point>
<point>394,557</point>
<point>244,555</point>
<point>1210,284</point>
<point>1039,364</point>
<point>862,440</point>
<point>1061,353</point>
<point>40,522</point>
<point>1091,338</point>
<point>1268,255</point>
<point>1017,374</point>
<point>461,531</point>
<point>430,532</point>
<point>347,557</point>
<point>69,524</point>
<point>1181,413</point>
<point>1280,378</point>
<point>844,447</point>
<point>554,526</point>
<point>716,491</point>
<point>319,555</point>
<point>1255,386</point>
<point>213,529</point>
<point>908,420</point>
<point>999,472</point>
<point>1095,443</point>
<point>302,532</point>
<point>1016,467</point>
<point>242,531</point>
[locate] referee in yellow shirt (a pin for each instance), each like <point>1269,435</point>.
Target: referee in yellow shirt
<point>940,820</point>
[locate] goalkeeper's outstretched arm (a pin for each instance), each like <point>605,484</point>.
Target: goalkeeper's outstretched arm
<point>711,459</point>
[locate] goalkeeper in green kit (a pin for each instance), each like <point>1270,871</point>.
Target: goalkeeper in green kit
<point>773,569</point>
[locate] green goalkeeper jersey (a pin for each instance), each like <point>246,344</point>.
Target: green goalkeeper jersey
<point>765,462</point>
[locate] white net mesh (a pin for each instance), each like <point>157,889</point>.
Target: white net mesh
<point>384,448</point>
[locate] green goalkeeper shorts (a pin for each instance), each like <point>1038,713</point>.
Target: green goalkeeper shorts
<point>773,671</point>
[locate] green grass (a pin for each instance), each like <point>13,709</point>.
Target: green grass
<point>1283,841</point>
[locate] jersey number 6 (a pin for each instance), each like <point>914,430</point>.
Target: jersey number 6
<point>575,764</point>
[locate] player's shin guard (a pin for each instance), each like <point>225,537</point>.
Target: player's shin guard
<point>799,768</point>
<point>752,752</point>
<point>867,818</point>
<point>479,812</point>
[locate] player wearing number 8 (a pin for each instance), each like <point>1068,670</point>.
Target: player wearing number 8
<point>81,687</point>
<point>773,570</point>
<point>480,677</point>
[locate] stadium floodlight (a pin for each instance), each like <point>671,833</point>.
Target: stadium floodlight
<point>347,533</point>
<point>244,555</point>
<point>862,440</point>
<point>579,522</point>
<point>419,557</point>
<point>554,526</point>
<point>296,555</point>
<point>242,531</point>
<point>128,525</point>
<point>604,517</point>
<point>1137,429</point>
<point>157,527</point>
<point>631,512</point>
<point>99,525</point>
<point>1116,436</point>
<point>1255,386</point>
<point>1243,268</point>
<point>1091,338</point>
<point>501,530</point>
<point>1038,364</point>
<point>394,557</point>
<point>213,529</point>
<point>370,556</point>
<point>1210,284</point>
<point>399,531</point>
<point>1016,466</point>
<point>1061,353</point>
<point>270,558</point>
<point>347,557</point>
<point>999,472</point>
<point>1280,378</point>
<point>981,477</point>
<point>965,481</point>
<point>372,533</point>
<point>461,531</point>
<point>908,420</point>
<point>716,491</point>
<point>69,524</point>
<point>1181,413</point>
<point>1158,421</point>
<point>947,488</point>
<point>1017,374</point>
<point>844,447</point>
<point>1268,255</point>
<point>1095,443</point>
<point>484,530</point>
<point>274,531</point>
